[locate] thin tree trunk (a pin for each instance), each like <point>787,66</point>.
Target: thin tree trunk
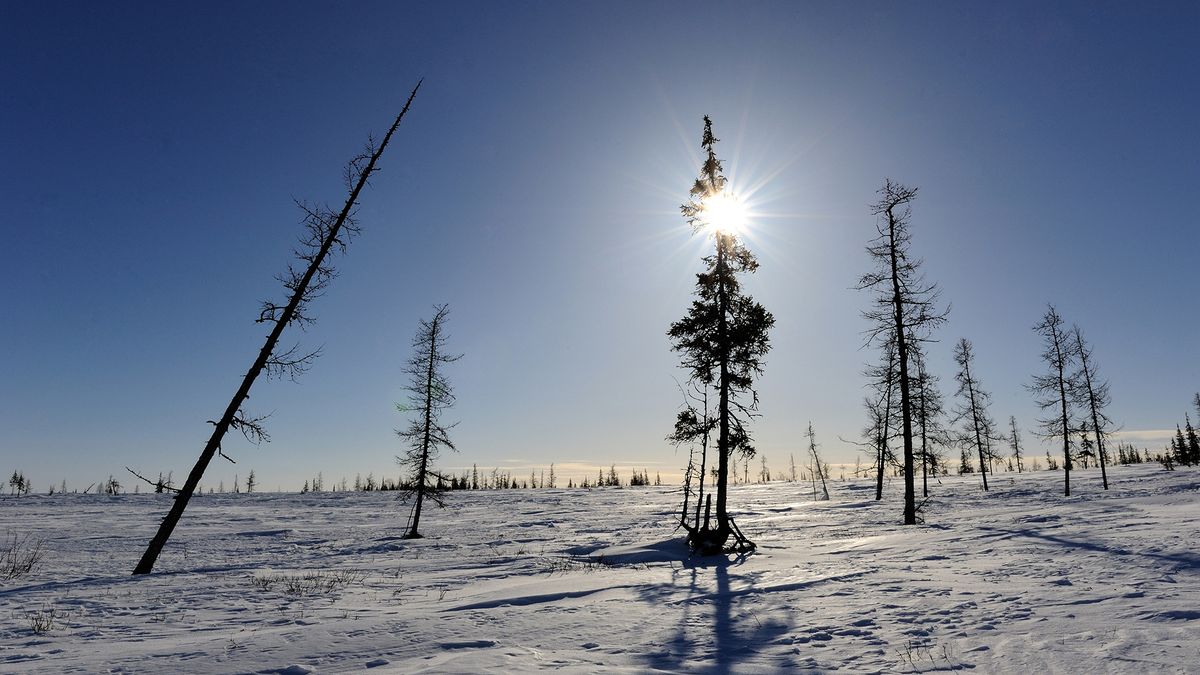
<point>146,564</point>
<point>703,458</point>
<point>723,450</point>
<point>1066,425</point>
<point>910,502</point>
<point>1087,378</point>
<point>887,421</point>
<point>924,448</point>
<point>975,421</point>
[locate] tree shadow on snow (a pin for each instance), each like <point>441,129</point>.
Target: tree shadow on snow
<point>1184,560</point>
<point>713,631</point>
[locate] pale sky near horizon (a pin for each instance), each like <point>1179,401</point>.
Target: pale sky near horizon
<point>149,155</point>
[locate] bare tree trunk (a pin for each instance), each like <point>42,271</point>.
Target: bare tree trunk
<point>1066,429</point>
<point>703,457</point>
<point>910,502</point>
<point>1095,413</point>
<point>886,425</point>
<point>146,564</point>
<point>924,453</point>
<point>723,449</point>
<point>975,422</point>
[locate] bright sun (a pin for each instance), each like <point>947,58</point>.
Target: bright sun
<point>725,213</point>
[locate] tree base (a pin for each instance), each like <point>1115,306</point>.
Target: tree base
<point>413,535</point>
<point>719,541</point>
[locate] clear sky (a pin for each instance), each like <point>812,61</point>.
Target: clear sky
<point>149,155</point>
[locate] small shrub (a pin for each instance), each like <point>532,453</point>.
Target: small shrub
<point>45,619</point>
<point>321,582</point>
<point>19,555</point>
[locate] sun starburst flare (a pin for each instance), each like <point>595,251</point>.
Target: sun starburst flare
<point>724,213</point>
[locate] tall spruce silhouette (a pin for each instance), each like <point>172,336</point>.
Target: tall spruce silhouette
<point>723,341</point>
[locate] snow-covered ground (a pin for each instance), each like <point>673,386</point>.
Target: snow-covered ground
<point>1020,579</point>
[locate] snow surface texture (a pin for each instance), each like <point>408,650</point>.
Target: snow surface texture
<point>1020,580</point>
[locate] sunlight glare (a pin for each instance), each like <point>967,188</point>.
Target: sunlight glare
<point>724,213</point>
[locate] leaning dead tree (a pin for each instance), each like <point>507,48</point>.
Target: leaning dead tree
<point>818,468</point>
<point>1052,389</point>
<point>722,339</point>
<point>903,310</point>
<point>326,231</point>
<point>429,394</point>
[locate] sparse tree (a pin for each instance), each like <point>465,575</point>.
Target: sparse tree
<point>429,396</point>
<point>1014,442</point>
<point>1093,396</point>
<point>928,412</point>
<point>978,428</point>
<point>818,468</point>
<point>694,426</point>
<point>325,231</point>
<point>1178,449</point>
<point>723,339</point>
<point>903,312</point>
<point>1193,441</point>
<point>1051,390</point>
<point>881,409</point>
<point>251,482</point>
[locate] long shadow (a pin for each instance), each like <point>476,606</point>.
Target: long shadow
<point>728,640</point>
<point>1182,561</point>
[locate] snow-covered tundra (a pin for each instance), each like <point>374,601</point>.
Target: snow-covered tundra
<point>1018,579</point>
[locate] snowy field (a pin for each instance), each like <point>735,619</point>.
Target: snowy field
<point>1018,580</point>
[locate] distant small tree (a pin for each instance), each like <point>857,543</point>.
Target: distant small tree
<point>1051,389</point>
<point>1014,442</point>
<point>1193,441</point>
<point>881,406</point>
<point>1092,394</point>
<point>978,428</point>
<point>613,480</point>
<point>429,395</point>
<point>19,484</point>
<point>928,409</point>
<point>818,467</point>
<point>251,482</point>
<point>1179,448</point>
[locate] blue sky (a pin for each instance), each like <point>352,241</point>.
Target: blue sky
<point>149,155</point>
